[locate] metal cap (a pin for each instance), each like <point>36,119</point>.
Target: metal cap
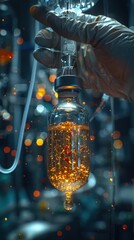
<point>67,82</point>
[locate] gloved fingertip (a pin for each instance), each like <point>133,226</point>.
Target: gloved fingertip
<point>40,55</point>
<point>39,12</point>
<point>33,10</point>
<point>36,54</point>
<point>41,41</point>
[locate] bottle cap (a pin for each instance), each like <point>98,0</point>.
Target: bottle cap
<point>67,82</point>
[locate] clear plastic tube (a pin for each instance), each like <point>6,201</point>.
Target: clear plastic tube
<point>104,100</point>
<point>24,118</point>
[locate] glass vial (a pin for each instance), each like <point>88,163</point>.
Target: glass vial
<point>68,140</point>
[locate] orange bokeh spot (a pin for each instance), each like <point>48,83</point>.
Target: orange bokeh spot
<point>118,144</point>
<point>43,205</point>
<point>9,128</point>
<point>59,233</point>
<point>28,142</point>
<point>124,227</point>
<point>20,40</point>
<point>14,93</point>
<point>36,193</point>
<point>27,126</point>
<point>92,137</point>
<point>13,153</point>
<point>116,134</point>
<point>40,92</point>
<point>5,56</point>
<point>47,97</point>
<point>6,149</point>
<point>52,78</point>
<point>68,228</point>
<point>39,158</point>
<point>54,101</point>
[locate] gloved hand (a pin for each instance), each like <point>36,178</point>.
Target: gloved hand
<point>105,60</point>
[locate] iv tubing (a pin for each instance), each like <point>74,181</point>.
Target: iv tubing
<point>25,114</point>
<point>104,100</point>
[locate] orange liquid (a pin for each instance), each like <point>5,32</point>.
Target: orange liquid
<point>68,159</point>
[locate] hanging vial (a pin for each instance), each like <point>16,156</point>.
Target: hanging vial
<point>68,140</point>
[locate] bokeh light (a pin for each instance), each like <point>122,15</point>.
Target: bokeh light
<point>116,134</point>
<point>92,137</point>
<point>47,97</point>
<point>68,228</point>
<point>59,233</point>
<point>28,142</point>
<point>9,128</point>
<point>124,227</point>
<point>36,193</point>
<point>6,149</point>
<point>5,56</point>
<point>13,153</point>
<point>20,40</point>
<point>40,92</point>
<point>118,144</point>
<point>52,78</point>
<point>39,158</point>
<point>56,94</point>
<point>27,127</point>
<point>39,142</point>
<point>55,101</point>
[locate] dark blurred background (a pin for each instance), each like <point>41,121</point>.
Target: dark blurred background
<point>30,208</point>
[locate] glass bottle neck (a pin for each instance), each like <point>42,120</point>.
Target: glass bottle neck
<point>69,96</point>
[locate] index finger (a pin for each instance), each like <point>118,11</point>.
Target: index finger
<point>48,39</point>
<point>39,13</point>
